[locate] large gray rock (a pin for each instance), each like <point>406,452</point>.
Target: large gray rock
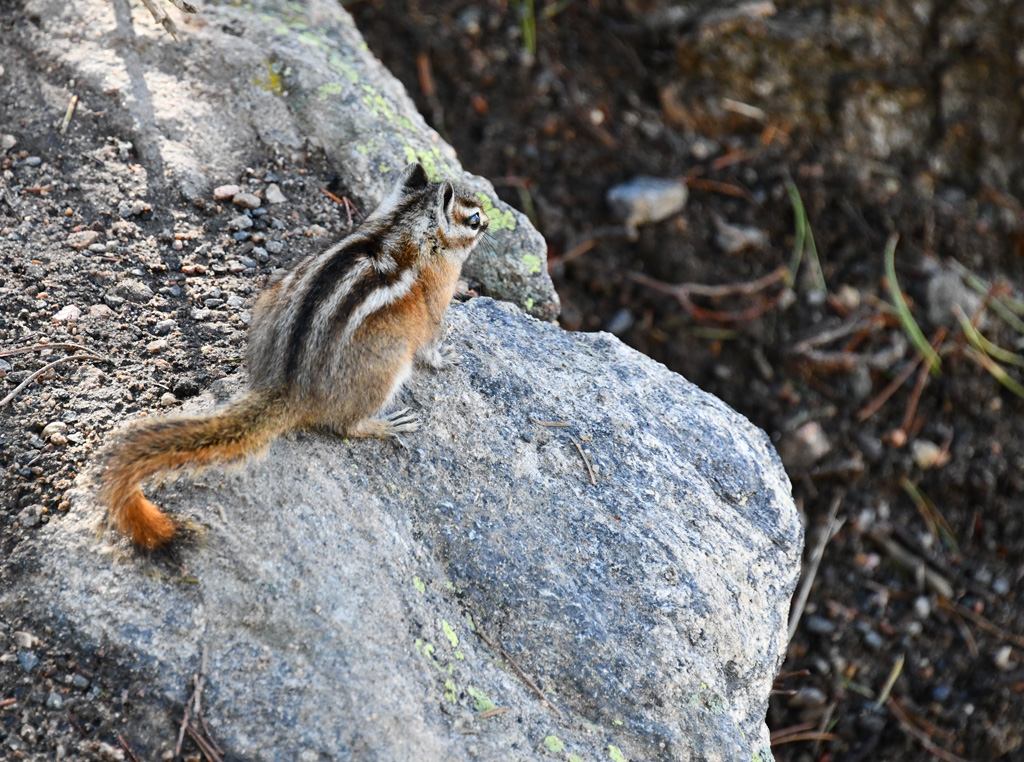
<point>336,590</point>
<point>288,76</point>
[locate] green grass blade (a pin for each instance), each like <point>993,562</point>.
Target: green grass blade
<point>980,342</point>
<point>998,372</point>
<point>910,326</point>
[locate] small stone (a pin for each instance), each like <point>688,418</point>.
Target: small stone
<point>274,195</point>
<point>57,427</point>
<point>1001,658</point>
<point>164,327</point>
<point>873,641</point>
<point>167,399</point>
<point>275,247</point>
<point>27,660</point>
<point>157,346</point>
<point>67,314</point>
<point>55,701</point>
<point>1000,586</point>
<point>26,640</point>
<point>645,200</point>
<point>235,266</point>
<point>928,454</point>
<point>193,269</point>
<point>819,625</point>
<point>225,192</point>
<point>733,239</point>
<point>944,293</point>
<point>808,697</point>
<point>236,301</point>
<point>248,262</point>
<point>140,207</point>
<point>241,222</point>
<point>213,303</point>
<point>922,607</point>
<point>133,291</point>
<point>620,322</point>
<point>804,447</point>
<point>7,142</point>
<point>59,439</point>
<point>100,311</point>
<point>33,161</point>
<point>82,238</point>
<point>80,681</point>
<point>246,200</point>
<point>260,253</point>
<point>316,231</point>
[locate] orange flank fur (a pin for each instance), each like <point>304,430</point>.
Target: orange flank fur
<point>158,446</point>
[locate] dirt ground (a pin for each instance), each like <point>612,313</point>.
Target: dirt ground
<point>922,579</point>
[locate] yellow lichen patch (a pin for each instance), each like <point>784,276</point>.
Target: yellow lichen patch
<point>499,220</point>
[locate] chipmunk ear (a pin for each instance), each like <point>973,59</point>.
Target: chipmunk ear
<point>445,203</point>
<point>414,178</point>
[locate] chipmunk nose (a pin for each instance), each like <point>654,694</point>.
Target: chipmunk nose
<point>484,222</point>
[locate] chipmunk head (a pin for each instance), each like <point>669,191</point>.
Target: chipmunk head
<point>461,220</point>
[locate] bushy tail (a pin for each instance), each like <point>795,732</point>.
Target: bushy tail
<point>240,429</point>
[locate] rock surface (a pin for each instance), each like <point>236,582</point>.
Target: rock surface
<point>336,586</point>
<point>292,77</point>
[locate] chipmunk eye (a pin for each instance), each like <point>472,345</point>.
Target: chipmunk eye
<point>474,221</point>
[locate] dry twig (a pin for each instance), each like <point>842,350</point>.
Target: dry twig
<point>40,372</point>
<point>812,569</point>
<point>586,461</point>
<point>517,669</point>
<point>908,727</point>
<point>683,293</point>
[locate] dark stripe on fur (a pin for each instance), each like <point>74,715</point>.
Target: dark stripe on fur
<point>332,273</point>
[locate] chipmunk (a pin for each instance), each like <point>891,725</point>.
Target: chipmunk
<point>330,345</point>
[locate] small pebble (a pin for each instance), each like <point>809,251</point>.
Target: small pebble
<point>260,253</point>
<point>82,239</point>
<point>55,701</point>
<point>7,142</point>
<point>26,640</point>
<point>241,222</point>
<point>236,301</point>
<point>808,697</point>
<point>157,346</point>
<point>164,327</point>
<point>275,247</point>
<point>819,625</point>
<point>873,641</point>
<point>235,266</point>
<point>80,681</point>
<point>246,200</point>
<point>733,239</point>
<point>248,262</point>
<point>168,399</point>
<point>922,608</point>
<point>27,660</point>
<point>804,447</point>
<point>33,161</point>
<point>1000,586</point>
<point>274,195</point>
<point>225,192</point>
<point>644,200</point>
<point>56,427</point>
<point>67,314</point>
<point>100,311</point>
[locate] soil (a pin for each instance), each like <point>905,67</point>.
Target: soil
<point>554,127</point>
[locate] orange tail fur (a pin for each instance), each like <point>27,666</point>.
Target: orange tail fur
<point>239,430</point>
